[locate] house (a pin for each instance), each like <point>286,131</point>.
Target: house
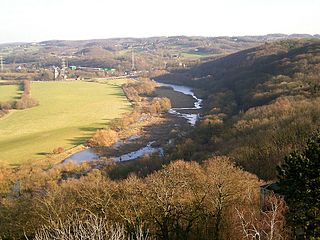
<point>265,190</point>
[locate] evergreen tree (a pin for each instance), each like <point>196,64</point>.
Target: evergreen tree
<point>299,180</point>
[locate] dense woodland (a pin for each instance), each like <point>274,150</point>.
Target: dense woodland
<point>260,105</point>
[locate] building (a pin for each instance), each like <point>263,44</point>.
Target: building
<point>266,190</point>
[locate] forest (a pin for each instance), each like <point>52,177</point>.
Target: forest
<point>260,104</point>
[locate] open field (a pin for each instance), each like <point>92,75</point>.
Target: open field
<point>114,82</point>
<point>194,55</point>
<point>69,112</point>
<point>9,92</point>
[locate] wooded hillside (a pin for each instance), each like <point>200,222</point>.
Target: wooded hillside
<point>260,103</point>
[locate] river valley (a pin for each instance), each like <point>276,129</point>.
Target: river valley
<point>188,111</point>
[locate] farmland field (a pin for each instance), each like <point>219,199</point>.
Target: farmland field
<point>9,92</point>
<point>68,114</point>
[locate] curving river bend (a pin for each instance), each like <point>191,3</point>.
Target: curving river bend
<point>192,118</point>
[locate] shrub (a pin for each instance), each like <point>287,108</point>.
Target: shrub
<point>7,105</point>
<point>103,137</point>
<point>26,102</point>
<point>159,105</point>
<point>58,150</point>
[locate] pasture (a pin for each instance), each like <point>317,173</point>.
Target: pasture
<point>9,92</point>
<point>68,114</point>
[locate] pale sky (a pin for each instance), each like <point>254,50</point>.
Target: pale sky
<point>38,20</point>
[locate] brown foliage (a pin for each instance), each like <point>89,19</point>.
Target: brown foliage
<point>142,87</point>
<point>184,200</point>
<point>103,137</point>
<point>159,105</point>
<point>26,102</point>
<point>8,105</point>
<point>58,150</point>
<point>123,123</point>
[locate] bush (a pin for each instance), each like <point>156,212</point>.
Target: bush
<point>26,102</point>
<point>159,105</point>
<point>143,87</point>
<point>104,137</point>
<point>8,105</point>
<point>26,87</point>
<point>58,150</point>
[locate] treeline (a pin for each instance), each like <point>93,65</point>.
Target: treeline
<point>26,101</point>
<point>142,87</point>
<point>142,94</point>
<point>184,200</point>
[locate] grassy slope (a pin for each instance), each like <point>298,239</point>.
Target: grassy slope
<point>68,114</point>
<point>9,92</point>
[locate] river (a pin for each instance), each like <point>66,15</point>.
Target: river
<point>90,155</point>
<point>192,118</point>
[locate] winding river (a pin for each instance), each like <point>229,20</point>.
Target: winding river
<point>192,118</point>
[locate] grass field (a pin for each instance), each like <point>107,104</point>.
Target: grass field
<point>68,114</point>
<point>193,55</point>
<point>9,92</point>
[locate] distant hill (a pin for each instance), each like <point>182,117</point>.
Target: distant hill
<point>258,75</point>
<point>151,53</point>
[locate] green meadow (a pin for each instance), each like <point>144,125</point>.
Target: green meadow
<point>9,92</point>
<point>68,114</point>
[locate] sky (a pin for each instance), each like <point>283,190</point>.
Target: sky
<point>39,20</point>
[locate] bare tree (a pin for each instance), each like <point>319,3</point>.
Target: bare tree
<point>91,228</point>
<point>265,225</point>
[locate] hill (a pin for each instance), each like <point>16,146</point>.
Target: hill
<point>150,53</point>
<point>260,103</point>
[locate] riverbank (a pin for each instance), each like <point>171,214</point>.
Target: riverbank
<point>152,132</point>
<point>190,112</point>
